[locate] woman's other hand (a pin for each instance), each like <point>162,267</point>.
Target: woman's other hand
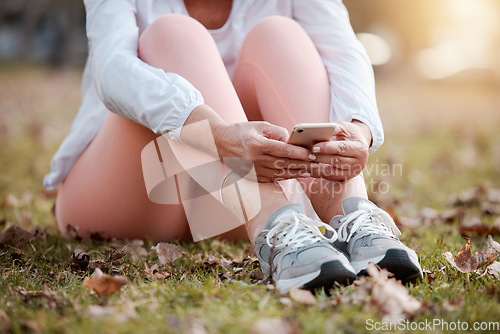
<point>346,155</point>
<point>265,145</point>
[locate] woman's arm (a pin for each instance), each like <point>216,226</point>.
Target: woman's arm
<point>128,86</point>
<point>261,143</point>
<point>351,77</point>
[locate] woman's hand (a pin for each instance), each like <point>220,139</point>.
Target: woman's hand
<point>346,155</point>
<point>264,145</point>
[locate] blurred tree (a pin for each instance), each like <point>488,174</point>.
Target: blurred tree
<point>44,30</point>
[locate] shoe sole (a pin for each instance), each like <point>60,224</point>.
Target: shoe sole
<point>331,272</point>
<point>400,264</point>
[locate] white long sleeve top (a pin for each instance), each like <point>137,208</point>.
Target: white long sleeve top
<point>115,78</point>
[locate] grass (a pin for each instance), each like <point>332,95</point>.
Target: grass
<point>442,148</point>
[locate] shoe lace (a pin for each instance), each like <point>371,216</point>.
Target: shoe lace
<point>367,222</point>
<point>297,230</point>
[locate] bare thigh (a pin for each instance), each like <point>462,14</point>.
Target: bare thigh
<point>105,192</point>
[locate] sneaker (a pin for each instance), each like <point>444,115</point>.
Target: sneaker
<point>367,234</point>
<point>293,251</point>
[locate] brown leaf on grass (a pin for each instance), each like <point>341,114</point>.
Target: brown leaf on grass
<point>98,264</point>
<point>167,253</point>
<point>431,217</point>
<point>480,229</point>
<point>302,296</point>
<point>155,273</point>
<point>493,270</point>
<point>103,284</point>
<point>113,258</point>
<point>258,277</point>
<point>79,260</point>
<point>249,261</point>
<point>465,262</point>
<point>134,248</point>
<point>15,236</point>
<point>213,261</point>
<point>385,295</point>
<point>468,197</point>
<point>489,208</point>
<point>50,299</point>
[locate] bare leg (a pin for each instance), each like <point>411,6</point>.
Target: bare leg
<point>105,191</point>
<point>327,196</point>
<point>286,88</point>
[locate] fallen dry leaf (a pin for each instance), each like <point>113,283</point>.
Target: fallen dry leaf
<point>480,229</point>
<point>155,272</point>
<point>167,253</point>
<point>431,217</point>
<point>15,236</point>
<point>79,260</point>
<point>302,296</point>
<point>213,261</point>
<point>493,270</point>
<point>113,258</point>
<point>489,208</point>
<point>103,284</point>
<point>136,249</point>
<point>385,295</point>
<point>465,262</point>
<point>468,197</point>
<point>50,299</point>
<point>491,243</point>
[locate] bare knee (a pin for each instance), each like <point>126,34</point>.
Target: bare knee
<point>172,29</point>
<point>276,27</point>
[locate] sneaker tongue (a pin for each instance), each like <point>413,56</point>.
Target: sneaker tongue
<point>352,204</point>
<point>286,210</point>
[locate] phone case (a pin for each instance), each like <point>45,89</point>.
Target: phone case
<point>309,134</point>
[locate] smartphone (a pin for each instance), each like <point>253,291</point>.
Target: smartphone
<point>309,134</point>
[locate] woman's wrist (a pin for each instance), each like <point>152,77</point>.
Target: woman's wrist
<point>365,131</point>
<point>191,134</point>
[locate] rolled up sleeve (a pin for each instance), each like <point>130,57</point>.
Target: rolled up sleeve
<point>126,85</point>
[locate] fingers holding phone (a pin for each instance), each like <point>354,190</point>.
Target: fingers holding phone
<point>340,148</point>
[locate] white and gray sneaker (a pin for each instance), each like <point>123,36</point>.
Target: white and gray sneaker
<point>295,253</point>
<point>367,234</point>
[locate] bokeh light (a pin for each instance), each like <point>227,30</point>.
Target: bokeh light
<point>377,48</point>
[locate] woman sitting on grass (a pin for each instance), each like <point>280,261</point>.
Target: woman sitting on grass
<point>251,70</point>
